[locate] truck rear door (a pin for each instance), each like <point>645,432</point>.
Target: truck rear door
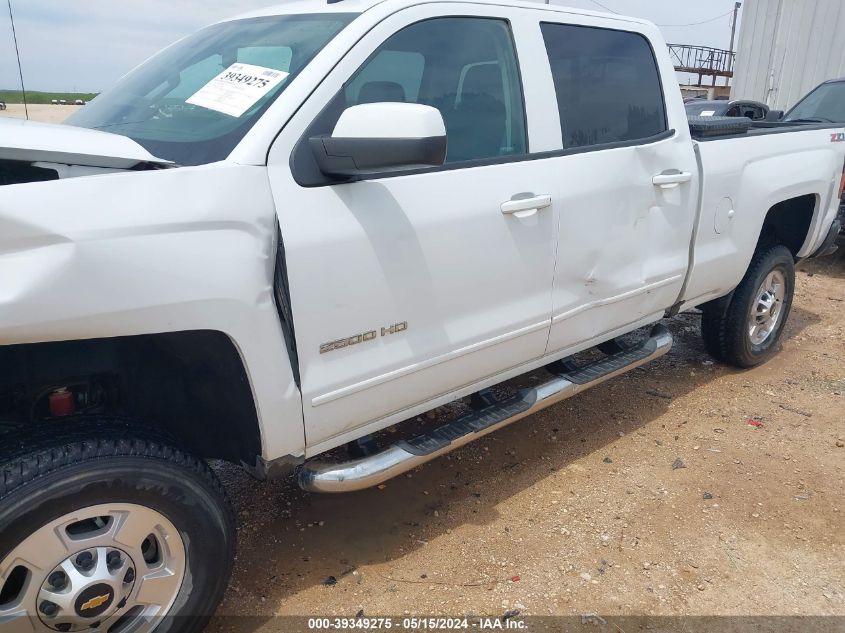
<point>626,177</point>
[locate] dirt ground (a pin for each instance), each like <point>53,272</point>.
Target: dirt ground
<point>578,509</point>
<point>40,112</point>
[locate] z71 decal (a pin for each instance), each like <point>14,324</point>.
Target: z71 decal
<point>837,137</point>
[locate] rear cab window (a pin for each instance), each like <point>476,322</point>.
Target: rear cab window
<point>607,85</point>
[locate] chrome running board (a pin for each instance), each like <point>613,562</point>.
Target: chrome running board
<point>317,476</point>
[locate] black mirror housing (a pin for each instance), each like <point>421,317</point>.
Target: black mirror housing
<point>355,157</point>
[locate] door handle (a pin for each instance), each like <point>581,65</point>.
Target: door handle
<point>525,207</point>
<point>671,180</point>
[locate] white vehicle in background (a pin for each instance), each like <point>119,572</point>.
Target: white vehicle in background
<point>301,226</point>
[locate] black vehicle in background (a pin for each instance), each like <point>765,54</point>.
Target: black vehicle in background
<point>753,110</point>
<point>823,104</point>
<point>2,105</point>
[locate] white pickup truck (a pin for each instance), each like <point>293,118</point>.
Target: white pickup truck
<point>293,229</point>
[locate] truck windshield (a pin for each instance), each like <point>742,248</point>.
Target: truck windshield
<point>825,104</point>
<point>193,102</point>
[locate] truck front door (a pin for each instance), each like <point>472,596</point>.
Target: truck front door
<point>412,285</point>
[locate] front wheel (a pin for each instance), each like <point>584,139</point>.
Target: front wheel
<point>745,331</point>
<point>103,529</point>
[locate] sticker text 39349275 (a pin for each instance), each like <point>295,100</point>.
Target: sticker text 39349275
<point>237,89</point>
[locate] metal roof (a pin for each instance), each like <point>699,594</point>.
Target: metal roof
<point>359,6</point>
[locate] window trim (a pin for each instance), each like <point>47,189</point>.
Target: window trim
<point>668,133</point>
<point>666,127</point>
<point>303,145</point>
<point>503,160</point>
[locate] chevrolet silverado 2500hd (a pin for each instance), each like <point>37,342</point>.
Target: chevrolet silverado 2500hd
<point>296,228</point>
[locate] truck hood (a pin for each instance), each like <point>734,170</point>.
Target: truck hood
<point>29,141</point>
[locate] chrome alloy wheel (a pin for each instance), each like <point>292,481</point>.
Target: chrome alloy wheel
<point>766,308</point>
<point>113,568</point>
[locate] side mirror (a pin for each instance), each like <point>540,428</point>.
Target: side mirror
<point>379,137</point>
<point>774,115</point>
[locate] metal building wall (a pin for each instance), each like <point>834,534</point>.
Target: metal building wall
<point>786,48</point>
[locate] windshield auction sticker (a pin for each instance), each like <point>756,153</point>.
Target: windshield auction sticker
<point>237,89</point>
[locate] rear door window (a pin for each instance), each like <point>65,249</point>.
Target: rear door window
<point>607,85</point>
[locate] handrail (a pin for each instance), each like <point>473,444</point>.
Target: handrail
<point>702,60</point>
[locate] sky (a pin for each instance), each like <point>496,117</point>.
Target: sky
<point>87,45</point>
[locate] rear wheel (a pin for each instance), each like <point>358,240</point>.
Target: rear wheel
<point>104,528</point>
<point>745,331</point>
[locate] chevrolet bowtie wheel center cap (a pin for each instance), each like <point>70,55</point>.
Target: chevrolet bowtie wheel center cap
<point>99,569</point>
<point>85,588</point>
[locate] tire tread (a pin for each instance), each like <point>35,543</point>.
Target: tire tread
<point>42,450</point>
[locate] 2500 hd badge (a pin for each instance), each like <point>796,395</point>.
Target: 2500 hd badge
<point>363,337</point>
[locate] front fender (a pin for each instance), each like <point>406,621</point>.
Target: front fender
<point>150,252</point>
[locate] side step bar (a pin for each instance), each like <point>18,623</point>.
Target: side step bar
<point>316,476</point>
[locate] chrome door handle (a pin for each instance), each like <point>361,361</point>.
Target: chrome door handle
<point>524,207</point>
<point>670,180</point>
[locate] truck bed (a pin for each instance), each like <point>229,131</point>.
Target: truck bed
<point>752,168</point>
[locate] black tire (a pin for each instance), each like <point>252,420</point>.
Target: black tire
<point>724,324</point>
<point>53,471</point>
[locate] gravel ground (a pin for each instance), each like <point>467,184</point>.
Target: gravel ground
<point>583,508</point>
